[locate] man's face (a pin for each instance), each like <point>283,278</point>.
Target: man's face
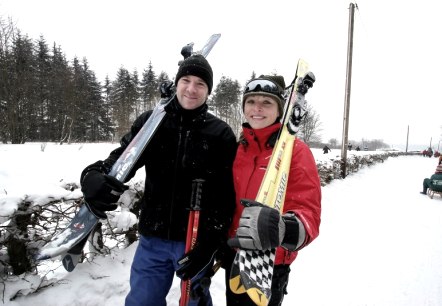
<point>191,91</point>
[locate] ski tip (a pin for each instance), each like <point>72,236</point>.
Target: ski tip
<point>258,297</point>
<point>236,285</point>
<point>301,69</point>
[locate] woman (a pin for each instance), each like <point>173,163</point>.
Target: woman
<point>263,227</point>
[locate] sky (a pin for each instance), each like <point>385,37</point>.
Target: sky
<point>379,241</point>
<point>396,63</point>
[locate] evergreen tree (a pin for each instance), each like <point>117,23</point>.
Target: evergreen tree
<point>136,93</point>
<point>7,34</point>
<point>149,88</point>
<point>163,77</point>
<point>97,120</point>
<point>226,102</point>
<point>39,127</point>
<point>122,104</point>
<point>20,106</point>
<point>61,95</point>
<point>107,106</point>
<point>79,106</point>
<point>253,76</point>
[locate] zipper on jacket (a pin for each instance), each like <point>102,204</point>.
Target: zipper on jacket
<point>178,163</point>
<point>174,181</point>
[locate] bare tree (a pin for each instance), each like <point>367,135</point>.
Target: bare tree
<point>310,127</point>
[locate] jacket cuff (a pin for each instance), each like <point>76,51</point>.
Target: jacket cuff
<point>294,236</point>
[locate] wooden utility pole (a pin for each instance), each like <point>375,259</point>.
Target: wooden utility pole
<point>347,91</point>
<point>408,133</point>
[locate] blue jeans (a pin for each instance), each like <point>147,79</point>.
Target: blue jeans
<point>152,272</point>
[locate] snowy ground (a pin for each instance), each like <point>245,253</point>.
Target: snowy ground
<point>380,240</point>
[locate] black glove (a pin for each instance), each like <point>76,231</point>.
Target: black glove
<point>166,89</point>
<point>101,191</point>
<point>196,260</point>
<point>260,227</point>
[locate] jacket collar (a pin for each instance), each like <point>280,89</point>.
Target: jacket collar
<point>260,136</point>
<point>175,109</point>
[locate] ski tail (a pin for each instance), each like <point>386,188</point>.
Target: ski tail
<point>209,45</point>
<point>252,271</point>
<point>301,70</point>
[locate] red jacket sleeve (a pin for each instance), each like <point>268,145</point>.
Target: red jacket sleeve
<point>303,195</point>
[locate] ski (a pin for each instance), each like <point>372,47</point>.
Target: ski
<point>252,271</point>
<point>74,237</point>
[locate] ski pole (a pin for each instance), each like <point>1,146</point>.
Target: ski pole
<point>192,233</point>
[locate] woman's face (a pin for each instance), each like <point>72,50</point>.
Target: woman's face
<point>260,111</point>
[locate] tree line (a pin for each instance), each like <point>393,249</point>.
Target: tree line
<point>47,98</point>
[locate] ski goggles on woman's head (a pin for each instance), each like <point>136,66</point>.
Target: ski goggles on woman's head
<point>263,86</point>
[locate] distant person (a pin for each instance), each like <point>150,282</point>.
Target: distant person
<point>358,148</point>
<point>326,149</point>
<point>428,181</point>
<point>428,152</point>
<point>350,146</point>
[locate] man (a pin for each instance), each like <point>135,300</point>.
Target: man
<point>326,149</point>
<point>428,182</point>
<point>190,144</point>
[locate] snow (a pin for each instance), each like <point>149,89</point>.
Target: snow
<point>380,240</point>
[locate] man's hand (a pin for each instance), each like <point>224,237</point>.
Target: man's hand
<point>101,191</point>
<point>195,261</point>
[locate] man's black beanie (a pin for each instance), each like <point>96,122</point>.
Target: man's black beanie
<point>198,66</point>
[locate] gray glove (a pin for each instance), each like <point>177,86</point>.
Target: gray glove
<point>260,227</point>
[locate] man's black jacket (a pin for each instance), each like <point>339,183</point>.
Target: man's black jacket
<point>188,145</point>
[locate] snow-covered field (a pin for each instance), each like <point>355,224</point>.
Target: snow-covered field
<point>380,240</point>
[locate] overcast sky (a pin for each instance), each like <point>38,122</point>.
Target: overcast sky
<point>397,58</point>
